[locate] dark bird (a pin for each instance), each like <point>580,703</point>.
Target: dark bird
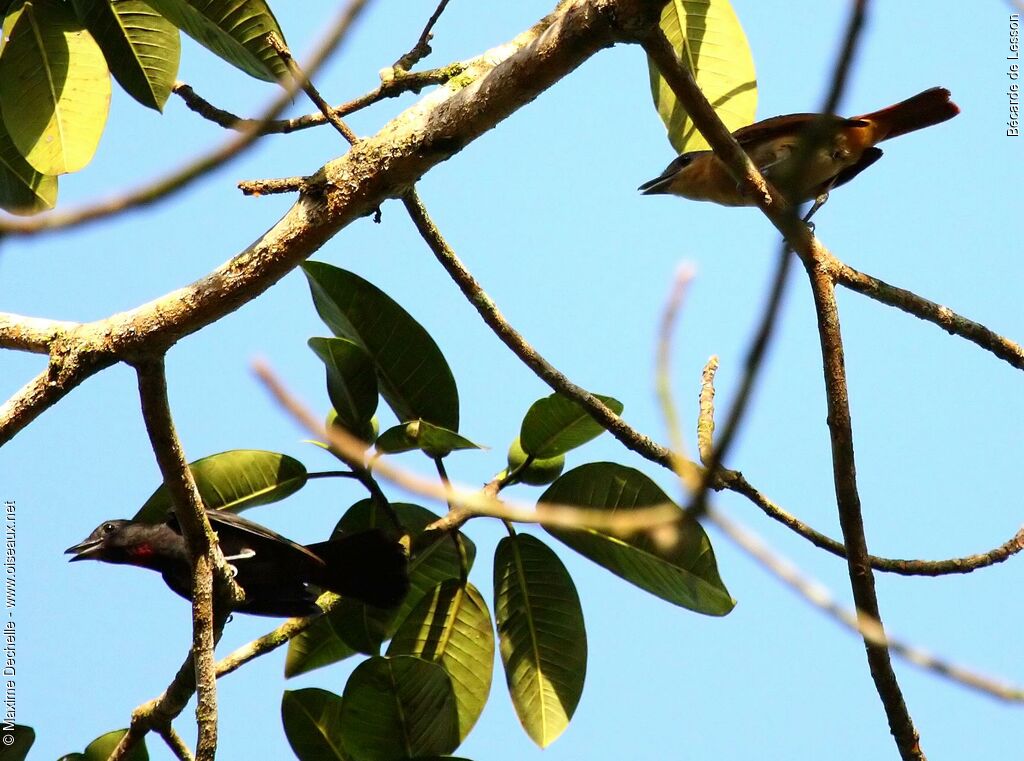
<point>846,149</point>
<point>279,577</point>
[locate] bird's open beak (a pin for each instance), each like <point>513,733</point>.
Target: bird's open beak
<point>84,550</point>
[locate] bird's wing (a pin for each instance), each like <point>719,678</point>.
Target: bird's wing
<point>781,126</point>
<point>245,530</point>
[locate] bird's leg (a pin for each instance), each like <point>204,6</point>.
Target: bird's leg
<point>243,555</point>
<point>818,203</point>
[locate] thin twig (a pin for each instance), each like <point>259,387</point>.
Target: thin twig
<point>543,369</point>
<point>395,84</point>
<point>310,89</point>
<point>920,307</point>
<point>421,49</point>
<point>467,502</point>
<point>818,596</point>
<point>176,744</point>
<point>181,178</point>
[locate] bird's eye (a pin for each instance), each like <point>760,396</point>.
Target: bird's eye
<point>108,528</point>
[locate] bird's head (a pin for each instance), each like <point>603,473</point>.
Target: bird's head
<point>118,541</point>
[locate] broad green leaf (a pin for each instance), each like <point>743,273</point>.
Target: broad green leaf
<point>396,708</point>
<point>433,559</point>
<point>554,425</point>
<point>23,190</point>
<point>23,736</point>
<point>317,646</point>
<point>433,440</point>
<point>707,36</point>
<point>351,382</point>
<point>142,48</point>
<point>543,640</point>
<point>312,724</point>
<point>101,748</point>
<point>684,573</point>
<point>452,627</point>
<point>54,88</point>
<point>414,377</point>
<point>235,481</point>
<point>235,30</point>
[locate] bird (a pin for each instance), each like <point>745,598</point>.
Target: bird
<point>846,147</point>
<point>278,576</point>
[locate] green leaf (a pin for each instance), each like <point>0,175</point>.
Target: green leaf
<point>235,481</point>
<point>399,707</point>
<point>452,627</point>
<point>707,36</point>
<point>351,382</point>
<point>543,640</point>
<point>433,559</point>
<point>235,30</point>
<point>23,190</point>
<point>101,748</point>
<point>23,736</point>
<point>415,379</point>
<point>317,646</point>
<point>142,48</point>
<point>433,440</point>
<point>54,88</point>
<point>312,723</point>
<point>684,574</point>
<point>554,425</point>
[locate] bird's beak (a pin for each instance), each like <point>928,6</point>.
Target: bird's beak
<point>84,550</point>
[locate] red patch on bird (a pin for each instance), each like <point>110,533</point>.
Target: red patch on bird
<point>141,551</point>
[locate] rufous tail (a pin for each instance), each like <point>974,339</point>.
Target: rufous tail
<point>923,110</point>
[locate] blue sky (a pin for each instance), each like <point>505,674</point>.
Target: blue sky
<point>544,211</point>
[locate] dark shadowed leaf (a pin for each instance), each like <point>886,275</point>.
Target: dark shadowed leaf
<point>434,558</point>
<point>684,573</point>
<point>433,440</point>
<point>54,88</point>
<point>317,646</point>
<point>142,48</point>
<point>23,190</point>
<point>543,640</point>
<point>395,708</point>
<point>707,36</point>
<point>351,381</point>
<point>312,723</point>
<point>235,481</point>
<point>235,30</point>
<point>24,737</point>
<point>452,627</point>
<point>554,425</point>
<point>415,379</point>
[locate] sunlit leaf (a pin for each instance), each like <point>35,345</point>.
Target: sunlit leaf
<point>312,724</point>
<point>54,88</point>
<point>433,440</point>
<point>101,748</point>
<point>707,36</point>
<point>315,647</point>
<point>235,481</point>
<point>235,30</point>
<point>415,379</point>
<point>142,47</point>
<point>682,570</point>
<point>554,425</point>
<point>452,627</point>
<point>399,707</point>
<point>543,640</point>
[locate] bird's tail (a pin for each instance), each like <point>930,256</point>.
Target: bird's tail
<point>368,566</point>
<point>923,110</point>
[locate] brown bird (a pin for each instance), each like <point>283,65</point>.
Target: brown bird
<point>846,148</point>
